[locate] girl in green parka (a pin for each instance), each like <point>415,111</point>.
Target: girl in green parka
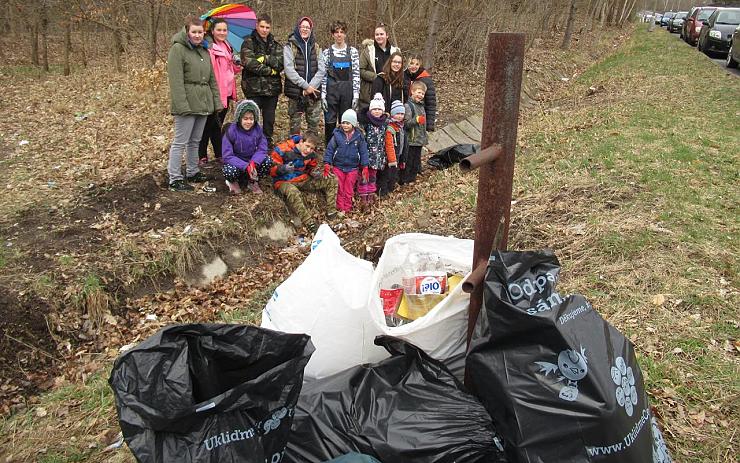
<point>193,96</point>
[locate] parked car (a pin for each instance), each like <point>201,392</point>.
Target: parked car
<point>733,56</point>
<point>716,32</point>
<point>666,17</point>
<point>693,23</point>
<point>675,23</point>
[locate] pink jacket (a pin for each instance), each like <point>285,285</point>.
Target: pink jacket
<point>224,68</point>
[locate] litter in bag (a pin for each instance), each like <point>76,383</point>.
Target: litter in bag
<point>335,298</point>
<point>210,393</point>
<point>407,408</point>
<point>560,382</point>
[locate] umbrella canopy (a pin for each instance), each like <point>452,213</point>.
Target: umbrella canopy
<point>240,19</point>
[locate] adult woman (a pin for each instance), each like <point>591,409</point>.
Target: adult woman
<point>389,83</point>
<point>224,67</point>
<point>193,96</point>
<point>373,56</point>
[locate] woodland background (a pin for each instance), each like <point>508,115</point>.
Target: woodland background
<point>135,33</point>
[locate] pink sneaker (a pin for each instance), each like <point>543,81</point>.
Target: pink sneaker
<point>254,188</point>
<point>234,188</point>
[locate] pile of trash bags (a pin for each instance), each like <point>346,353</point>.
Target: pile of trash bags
<point>342,373</point>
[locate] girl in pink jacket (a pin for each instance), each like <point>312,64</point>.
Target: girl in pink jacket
<point>224,68</point>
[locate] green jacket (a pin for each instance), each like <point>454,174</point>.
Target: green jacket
<point>261,78</point>
<point>193,89</point>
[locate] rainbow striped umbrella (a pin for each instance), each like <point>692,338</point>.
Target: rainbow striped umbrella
<point>240,18</point>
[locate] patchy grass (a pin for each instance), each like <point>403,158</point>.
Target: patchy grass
<point>635,194</point>
<point>651,179</point>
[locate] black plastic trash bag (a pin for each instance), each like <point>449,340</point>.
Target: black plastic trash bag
<point>561,384</point>
<point>407,408</point>
<point>353,458</point>
<point>210,393</point>
<point>452,155</point>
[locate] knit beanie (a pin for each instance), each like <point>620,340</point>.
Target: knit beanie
<point>246,106</point>
<point>350,116</point>
<point>397,108</point>
<point>377,102</point>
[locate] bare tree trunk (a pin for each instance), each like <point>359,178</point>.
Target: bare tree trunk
<point>67,46</point>
<point>370,15</point>
<point>155,11</point>
<point>44,37</point>
<point>628,13</point>
<point>569,25</point>
<point>117,46</point>
<point>35,42</point>
<point>432,33</point>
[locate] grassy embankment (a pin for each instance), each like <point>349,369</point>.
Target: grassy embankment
<point>634,185</point>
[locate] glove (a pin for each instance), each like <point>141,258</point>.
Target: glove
<point>261,59</point>
<point>421,120</point>
<point>402,166</point>
<point>355,102</point>
<point>392,164</point>
<point>327,170</point>
<point>365,174</point>
<point>324,105</point>
<point>252,170</point>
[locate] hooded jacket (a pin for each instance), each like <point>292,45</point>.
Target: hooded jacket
<point>193,88</point>
<point>368,73</point>
<point>346,154</point>
<point>286,153</point>
<point>302,64</point>
<point>430,97</point>
<point>240,147</point>
<point>222,61</point>
<point>261,79</point>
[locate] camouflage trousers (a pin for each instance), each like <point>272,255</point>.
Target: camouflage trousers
<point>292,194</point>
<point>297,108</point>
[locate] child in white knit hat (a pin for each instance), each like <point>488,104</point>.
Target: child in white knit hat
<point>346,159</point>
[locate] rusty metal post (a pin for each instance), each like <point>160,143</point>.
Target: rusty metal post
<point>504,66</point>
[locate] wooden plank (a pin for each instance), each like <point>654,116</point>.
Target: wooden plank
<point>469,130</point>
<point>457,135</point>
<point>477,121</point>
<point>438,140</point>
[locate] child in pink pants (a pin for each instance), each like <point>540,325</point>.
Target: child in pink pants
<point>346,157</point>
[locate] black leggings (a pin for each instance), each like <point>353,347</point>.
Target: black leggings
<point>212,133</point>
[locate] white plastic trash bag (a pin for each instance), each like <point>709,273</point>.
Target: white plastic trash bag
<point>326,298</point>
<point>334,297</point>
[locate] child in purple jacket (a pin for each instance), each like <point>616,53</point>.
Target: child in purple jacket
<point>244,148</point>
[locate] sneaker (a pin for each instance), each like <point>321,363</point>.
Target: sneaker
<point>200,177</point>
<point>179,185</point>
<point>234,188</point>
<point>335,215</point>
<point>254,188</point>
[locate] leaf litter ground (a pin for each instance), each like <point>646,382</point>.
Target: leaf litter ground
<point>87,224</point>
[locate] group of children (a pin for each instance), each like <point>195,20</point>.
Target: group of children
<point>368,161</point>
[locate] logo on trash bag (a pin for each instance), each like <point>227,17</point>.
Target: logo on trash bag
<point>274,422</point>
<point>626,392</point>
<point>572,366</point>
<point>660,451</point>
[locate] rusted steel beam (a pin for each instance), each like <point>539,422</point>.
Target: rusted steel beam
<point>504,66</point>
<point>480,158</point>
